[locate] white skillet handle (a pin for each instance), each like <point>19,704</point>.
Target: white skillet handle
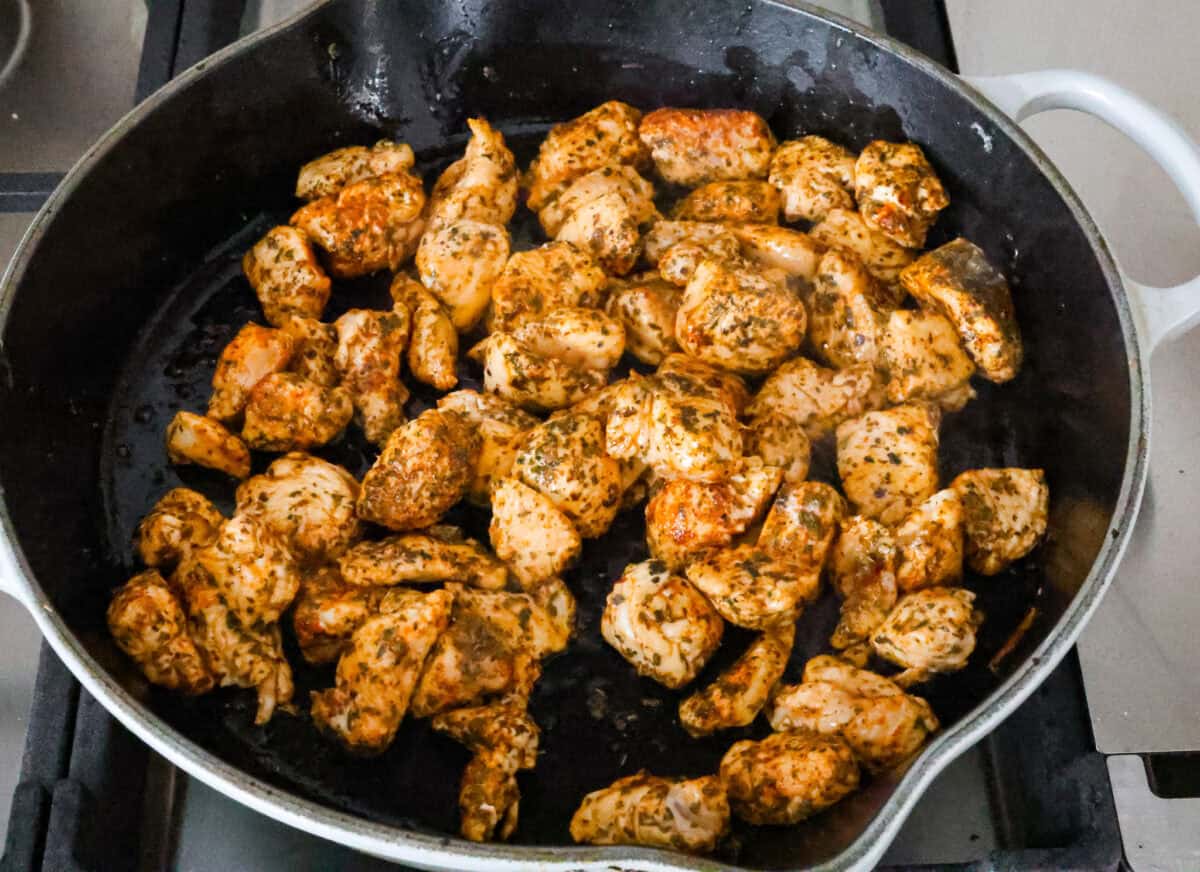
<point>1163,313</point>
<point>12,580</point>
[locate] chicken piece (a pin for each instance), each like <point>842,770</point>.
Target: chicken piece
<point>738,694</point>
<point>802,523</point>
<point>193,438</point>
<point>604,136</point>
<point>285,274</point>
<point>751,589</point>
<point>619,179</point>
<point>930,543</point>
<point>314,350</point>
<point>423,470</point>
<point>481,186</point>
<point>863,571</point>
<point>694,146</point>
<point>331,172</point>
<point>369,347</point>
<point>1004,515</point>
<point>252,568</point>
<point>817,398</point>
<point>715,240</point>
<point>684,815</point>
<point>433,340</point>
<point>780,248</point>
<point>253,354</point>
<point>847,312</point>
<point>287,412</point>
<point>781,442</point>
<point>678,263</point>
<point>929,631</point>
<point>740,202</point>
<point>379,669</point>
<point>368,225</point>
<point>579,337</point>
<point>887,460</point>
<point>813,176</point>
<point>958,281</point>
<point>149,625</point>
<point>788,777</point>
<point>745,320</point>
<point>897,191</point>
<point>846,230</point>
<point>438,554</point>
<point>501,428</point>
<point>530,533</point>
<point>328,611</point>
<point>646,306</point>
<point>459,262</point>
<point>922,359</point>
<point>514,372</point>
<point>687,520</point>
<point>536,282</point>
<point>683,376</point>
<point>881,723</point>
<point>660,623</point>
<point>182,519</point>
<point>603,213</point>
<point>308,502</point>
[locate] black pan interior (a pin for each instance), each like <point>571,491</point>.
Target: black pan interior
<point>135,287</point>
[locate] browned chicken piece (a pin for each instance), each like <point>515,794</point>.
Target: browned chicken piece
<point>438,554</point>
<point>796,253</point>
<point>481,186</point>
<point>182,519</point>
<point>802,523</point>
<point>501,427</point>
<point>433,340</point>
<point>738,202</point>
<point>660,623</point>
<point>845,229</point>
<point>929,631</point>
<point>328,611</point>
<point>604,214</point>
<point>738,694</point>
<point>930,543</point>
<point>530,533</point>
<point>604,136</point>
<point>368,225</point>
<point>678,262</point>
<point>887,460</point>
<point>788,777</point>
<point>379,669</point>
<point>459,262</point>
<point>287,412</point>
<point>148,624</point>
<point>958,281</point>
<point>512,371</point>
<point>193,438</point>
<point>370,345</point>
<point>680,814</point>
<point>1004,515</point>
<point>863,571</point>
<point>331,172</point>
<point>687,520</point>
<point>252,568</point>
<point>693,146</point>
<point>423,470</point>
<point>817,398</point>
<point>621,180</point>
<point>897,191</point>
<point>307,501</point>
<point>683,376</point>
<point>847,311</point>
<point>314,350</point>
<point>883,724</point>
<point>813,175</point>
<point>285,274</point>
<point>646,307</point>
<point>921,356</point>
<point>251,356</point>
<point>751,589</point>
<point>536,282</point>
<point>781,442</point>
<point>577,336</point>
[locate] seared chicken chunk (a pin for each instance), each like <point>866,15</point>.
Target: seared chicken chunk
<point>437,554</point>
<point>331,172</point>
<point>683,376</point>
<point>148,624</point>
<point>780,441</point>
<point>328,611</point>
<point>738,694</point>
<point>751,589</point>
<point>813,175</point>
<point>513,371</point>
<point>802,523</point>
<point>845,229</point>
<point>536,282</point>
<point>287,412</point>
<point>314,350</point>
<point>193,438</point>
<point>433,340</point>
<point>368,225</point>
<point>501,429</point>
<point>863,571</point>
<point>930,543</point>
<point>796,253</point>
<point>531,533</point>
<point>481,186</point>
<point>251,356</point>
<point>847,311</point>
<point>686,815</point>
<point>788,777</point>
<point>577,336</point>
<point>740,202</point>
<point>958,281</point>
<point>698,242</point>
<point>887,460</point>
<point>932,630</point>
<point>252,568</point>
<point>603,213</point>
<point>459,262</point>
<point>897,191</point>
<point>622,180</point>
<point>817,398</point>
<point>660,623</point>
<point>1004,515</point>
<point>369,347</point>
<point>693,146</point>
<point>182,519</point>
<point>285,274</point>
<point>423,470</point>
<point>379,669</point>
<point>646,307</point>
<point>923,360</point>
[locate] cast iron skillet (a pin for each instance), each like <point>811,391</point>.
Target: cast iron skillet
<point>128,285</point>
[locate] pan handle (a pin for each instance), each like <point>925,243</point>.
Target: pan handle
<point>12,580</point>
<point>1162,313</point>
